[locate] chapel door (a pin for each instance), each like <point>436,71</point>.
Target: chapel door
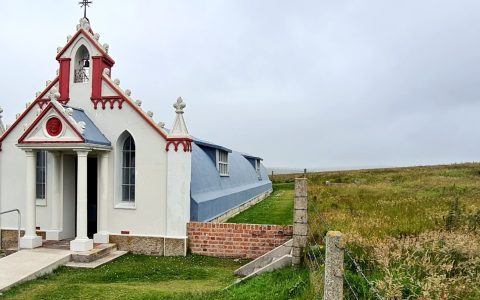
<point>92,195</point>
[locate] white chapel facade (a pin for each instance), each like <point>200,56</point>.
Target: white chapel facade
<point>84,162</point>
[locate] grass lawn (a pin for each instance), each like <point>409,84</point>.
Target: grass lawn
<point>276,209</point>
<point>150,277</point>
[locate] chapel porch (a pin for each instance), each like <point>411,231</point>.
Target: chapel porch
<point>79,177</point>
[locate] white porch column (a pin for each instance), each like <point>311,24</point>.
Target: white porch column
<point>56,203</point>
<point>81,242</point>
<point>30,239</point>
<point>102,235</point>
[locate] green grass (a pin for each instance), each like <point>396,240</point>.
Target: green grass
<point>391,202</point>
<point>276,209</point>
<point>151,277</point>
<point>409,212</point>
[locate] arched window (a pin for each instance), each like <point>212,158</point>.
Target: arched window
<point>128,170</point>
<point>82,65</point>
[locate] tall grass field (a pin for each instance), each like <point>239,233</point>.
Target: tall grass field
<point>414,231</point>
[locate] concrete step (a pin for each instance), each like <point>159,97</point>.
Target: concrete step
<point>28,264</point>
<point>98,251</point>
<point>279,263</point>
<point>265,260</point>
<point>97,263</point>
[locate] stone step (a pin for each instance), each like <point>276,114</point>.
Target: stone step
<point>265,260</point>
<point>98,251</point>
<point>278,263</point>
<point>97,263</point>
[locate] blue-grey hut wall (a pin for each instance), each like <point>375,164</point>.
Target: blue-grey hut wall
<point>213,195</point>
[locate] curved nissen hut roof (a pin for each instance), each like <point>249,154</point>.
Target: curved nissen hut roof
<point>211,194</point>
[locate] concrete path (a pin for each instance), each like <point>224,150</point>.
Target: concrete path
<point>28,264</point>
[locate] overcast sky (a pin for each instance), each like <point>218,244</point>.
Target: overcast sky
<point>316,84</point>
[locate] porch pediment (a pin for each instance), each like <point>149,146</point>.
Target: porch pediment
<point>58,124</point>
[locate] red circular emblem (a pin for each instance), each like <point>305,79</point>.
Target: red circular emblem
<point>54,126</point>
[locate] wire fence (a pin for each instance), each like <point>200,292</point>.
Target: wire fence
<point>354,279</point>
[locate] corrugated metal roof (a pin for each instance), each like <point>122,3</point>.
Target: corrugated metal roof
<point>203,143</point>
<point>212,194</point>
<point>91,134</point>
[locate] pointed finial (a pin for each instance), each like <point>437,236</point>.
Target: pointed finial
<point>179,128</point>
<point>54,94</point>
<point>2,128</point>
<point>84,24</point>
<point>179,105</point>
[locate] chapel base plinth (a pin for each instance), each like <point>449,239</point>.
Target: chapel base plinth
<point>53,235</point>
<point>80,245</point>
<point>30,242</point>
<point>101,238</point>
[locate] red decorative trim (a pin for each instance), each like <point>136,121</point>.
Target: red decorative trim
<point>110,99</point>
<point>32,105</point>
<point>92,41</point>
<point>186,143</point>
<point>42,102</point>
<point>137,109</point>
<point>64,83</point>
<point>99,64</point>
<point>37,120</point>
<point>54,126</point>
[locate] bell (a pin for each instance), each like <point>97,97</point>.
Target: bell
<point>86,64</point>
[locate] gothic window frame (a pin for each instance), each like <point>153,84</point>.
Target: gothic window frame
<point>121,173</point>
<point>85,76</point>
<point>128,170</point>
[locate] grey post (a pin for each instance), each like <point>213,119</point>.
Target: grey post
<point>334,266</point>
<point>300,226</point>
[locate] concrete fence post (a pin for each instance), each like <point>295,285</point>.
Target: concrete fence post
<point>300,226</point>
<point>334,244</point>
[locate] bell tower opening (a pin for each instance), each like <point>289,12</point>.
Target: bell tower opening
<point>82,65</point>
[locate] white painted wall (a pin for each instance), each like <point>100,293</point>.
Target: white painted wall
<point>178,193</point>
<point>152,214</point>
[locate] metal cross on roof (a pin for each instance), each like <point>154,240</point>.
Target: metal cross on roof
<point>85,4</point>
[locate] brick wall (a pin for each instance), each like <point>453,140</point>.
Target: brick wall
<point>236,240</point>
